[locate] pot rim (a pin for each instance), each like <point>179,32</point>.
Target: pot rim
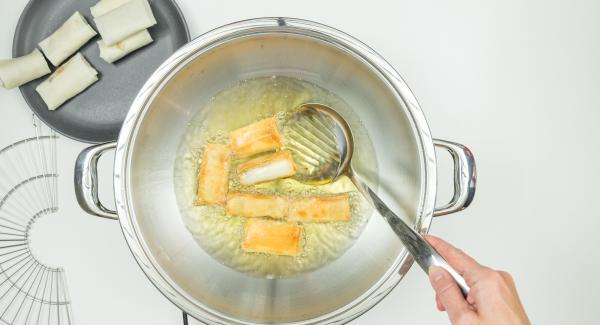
<point>228,33</point>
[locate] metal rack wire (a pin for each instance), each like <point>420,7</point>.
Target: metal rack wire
<point>30,292</point>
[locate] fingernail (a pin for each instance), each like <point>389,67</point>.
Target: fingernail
<point>436,273</point>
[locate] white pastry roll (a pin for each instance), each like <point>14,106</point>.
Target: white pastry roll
<point>67,81</point>
<point>124,21</point>
<point>18,71</point>
<point>115,52</point>
<point>104,6</point>
<point>266,168</point>
<point>67,39</point>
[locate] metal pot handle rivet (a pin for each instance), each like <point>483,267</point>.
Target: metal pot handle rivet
<point>86,180</point>
<point>465,177</point>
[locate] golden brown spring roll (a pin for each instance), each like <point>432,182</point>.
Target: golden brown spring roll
<point>320,208</point>
<point>266,168</point>
<point>213,181</point>
<point>255,138</point>
<point>256,205</point>
<point>272,237</point>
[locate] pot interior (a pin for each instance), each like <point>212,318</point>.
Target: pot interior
<point>218,291</point>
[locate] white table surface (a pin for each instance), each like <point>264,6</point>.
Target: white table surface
<point>517,81</point>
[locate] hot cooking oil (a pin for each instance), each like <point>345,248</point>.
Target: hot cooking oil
<point>220,235</point>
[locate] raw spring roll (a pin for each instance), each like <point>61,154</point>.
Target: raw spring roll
<point>104,6</point>
<point>124,21</point>
<point>116,52</point>
<point>67,81</point>
<point>67,39</point>
<point>18,71</point>
<point>122,48</point>
<point>272,237</point>
<point>254,205</point>
<point>266,168</point>
<point>320,208</point>
<point>213,180</point>
<point>255,138</point>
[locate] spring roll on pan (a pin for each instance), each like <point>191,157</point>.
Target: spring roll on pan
<point>112,53</point>
<point>67,81</point>
<point>18,71</point>
<point>124,21</point>
<point>117,51</point>
<point>104,6</point>
<point>67,39</point>
<point>96,115</point>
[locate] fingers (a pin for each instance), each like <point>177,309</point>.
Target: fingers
<point>461,262</point>
<point>492,289</point>
<point>438,304</point>
<point>449,296</point>
<point>492,292</point>
<point>471,298</point>
<point>508,279</point>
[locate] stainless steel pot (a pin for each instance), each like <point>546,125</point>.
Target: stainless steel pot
<point>146,152</point>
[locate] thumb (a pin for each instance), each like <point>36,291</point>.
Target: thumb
<point>450,296</point>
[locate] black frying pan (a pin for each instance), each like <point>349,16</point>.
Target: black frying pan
<point>96,114</point>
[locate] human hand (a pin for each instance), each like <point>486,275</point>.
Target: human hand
<point>492,300</point>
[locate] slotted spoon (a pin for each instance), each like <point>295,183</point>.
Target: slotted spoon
<point>322,144</point>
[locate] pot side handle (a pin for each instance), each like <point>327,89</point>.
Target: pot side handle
<point>465,177</point>
<point>86,181</point>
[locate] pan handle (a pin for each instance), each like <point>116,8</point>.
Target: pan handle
<point>86,180</point>
<point>465,177</point>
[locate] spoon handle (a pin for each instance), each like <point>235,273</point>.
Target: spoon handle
<point>423,253</point>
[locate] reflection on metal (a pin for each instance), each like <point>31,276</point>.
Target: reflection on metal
<point>30,292</point>
<point>323,129</point>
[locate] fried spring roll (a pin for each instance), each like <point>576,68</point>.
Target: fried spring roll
<point>213,181</point>
<point>320,208</point>
<point>124,21</point>
<point>67,81</point>
<point>255,138</point>
<point>18,71</point>
<point>266,168</point>
<point>272,237</point>
<point>116,52</point>
<point>256,205</point>
<point>67,39</point>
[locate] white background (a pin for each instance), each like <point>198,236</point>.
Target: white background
<point>517,81</point>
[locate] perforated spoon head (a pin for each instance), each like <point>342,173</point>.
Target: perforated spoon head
<point>321,143</point>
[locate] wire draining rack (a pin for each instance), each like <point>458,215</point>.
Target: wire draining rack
<point>30,292</point>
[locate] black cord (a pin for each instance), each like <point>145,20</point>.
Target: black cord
<point>185,318</point>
